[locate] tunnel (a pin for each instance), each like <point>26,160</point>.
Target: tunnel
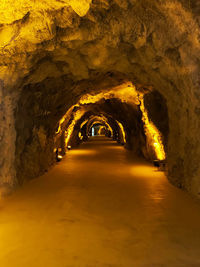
<point>124,74</point>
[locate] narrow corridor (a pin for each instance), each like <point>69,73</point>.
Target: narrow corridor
<point>100,207</point>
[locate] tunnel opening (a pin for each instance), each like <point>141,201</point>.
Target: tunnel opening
<point>124,112</point>
<point>94,96</point>
<point>76,55</point>
<point>98,129</point>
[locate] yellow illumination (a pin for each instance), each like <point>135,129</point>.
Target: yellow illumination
<point>125,92</point>
<point>100,129</point>
<point>83,123</point>
<point>100,119</point>
<point>80,135</point>
<point>81,7</point>
<point>64,118</point>
<point>12,10</point>
<point>79,152</point>
<point>152,133</point>
<point>60,123</point>
<point>68,133</point>
<point>122,130</point>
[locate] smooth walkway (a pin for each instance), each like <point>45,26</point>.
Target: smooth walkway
<point>100,207</point>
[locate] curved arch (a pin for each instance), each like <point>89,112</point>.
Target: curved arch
<point>116,102</point>
<point>122,131</point>
<point>127,94</point>
<point>101,119</point>
<point>41,79</point>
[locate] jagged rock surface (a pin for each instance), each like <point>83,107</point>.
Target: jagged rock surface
<point>51,53</point>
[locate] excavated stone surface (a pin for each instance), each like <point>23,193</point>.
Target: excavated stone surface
<point>157,112</point>
<point>52,52</point>
<point>127,114</point>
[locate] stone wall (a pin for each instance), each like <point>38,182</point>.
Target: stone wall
<point>52,53</point>
<point>7,140</point>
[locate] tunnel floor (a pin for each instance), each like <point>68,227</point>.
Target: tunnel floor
<point>99,207</point>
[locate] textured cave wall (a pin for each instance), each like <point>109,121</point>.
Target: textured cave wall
<point>128,115</point>
<point>131,118</point>
<point>110,120</point>
<point>157,110</point>
<point>7,140</point>
<point>37,113</point>
<point>152,43</point>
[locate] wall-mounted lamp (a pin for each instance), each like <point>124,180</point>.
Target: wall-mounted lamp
<point>58,156</point>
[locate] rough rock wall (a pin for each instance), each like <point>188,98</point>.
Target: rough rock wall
<point>7,138</point>
<point>152,43</point>
<point>156,107</point>
<point>115,110</point>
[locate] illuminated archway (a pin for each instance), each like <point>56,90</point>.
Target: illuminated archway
<point>98,119</point>
<point>126,93</point>
<point>54,55</point>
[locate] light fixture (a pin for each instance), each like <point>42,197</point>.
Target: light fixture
<point>59,158</point>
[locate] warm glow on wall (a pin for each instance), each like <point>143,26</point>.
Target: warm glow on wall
<point>101,128</point>
<point>68,133</point>
<point>122,131</point>
<point>101,119</point>
<point>63,119</point>
<point>80,136</point>
<point>154,137</point>
<point>59,126</point>
<point>81,7</point>
<point>126,92</point>
<point>83,123</point>
<point>11,10</point>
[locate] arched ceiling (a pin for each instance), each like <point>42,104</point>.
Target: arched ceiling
<point>52,53</point>
<point>149,41</point>
<point>101,119</point>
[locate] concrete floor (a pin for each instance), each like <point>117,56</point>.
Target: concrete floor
<point>98,208</point>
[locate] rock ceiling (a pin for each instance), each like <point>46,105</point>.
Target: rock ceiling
<point>52,53</point>
<point>145,40</point>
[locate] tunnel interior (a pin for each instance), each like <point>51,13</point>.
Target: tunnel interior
<point>130,66</point>
<point>124,112</point>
